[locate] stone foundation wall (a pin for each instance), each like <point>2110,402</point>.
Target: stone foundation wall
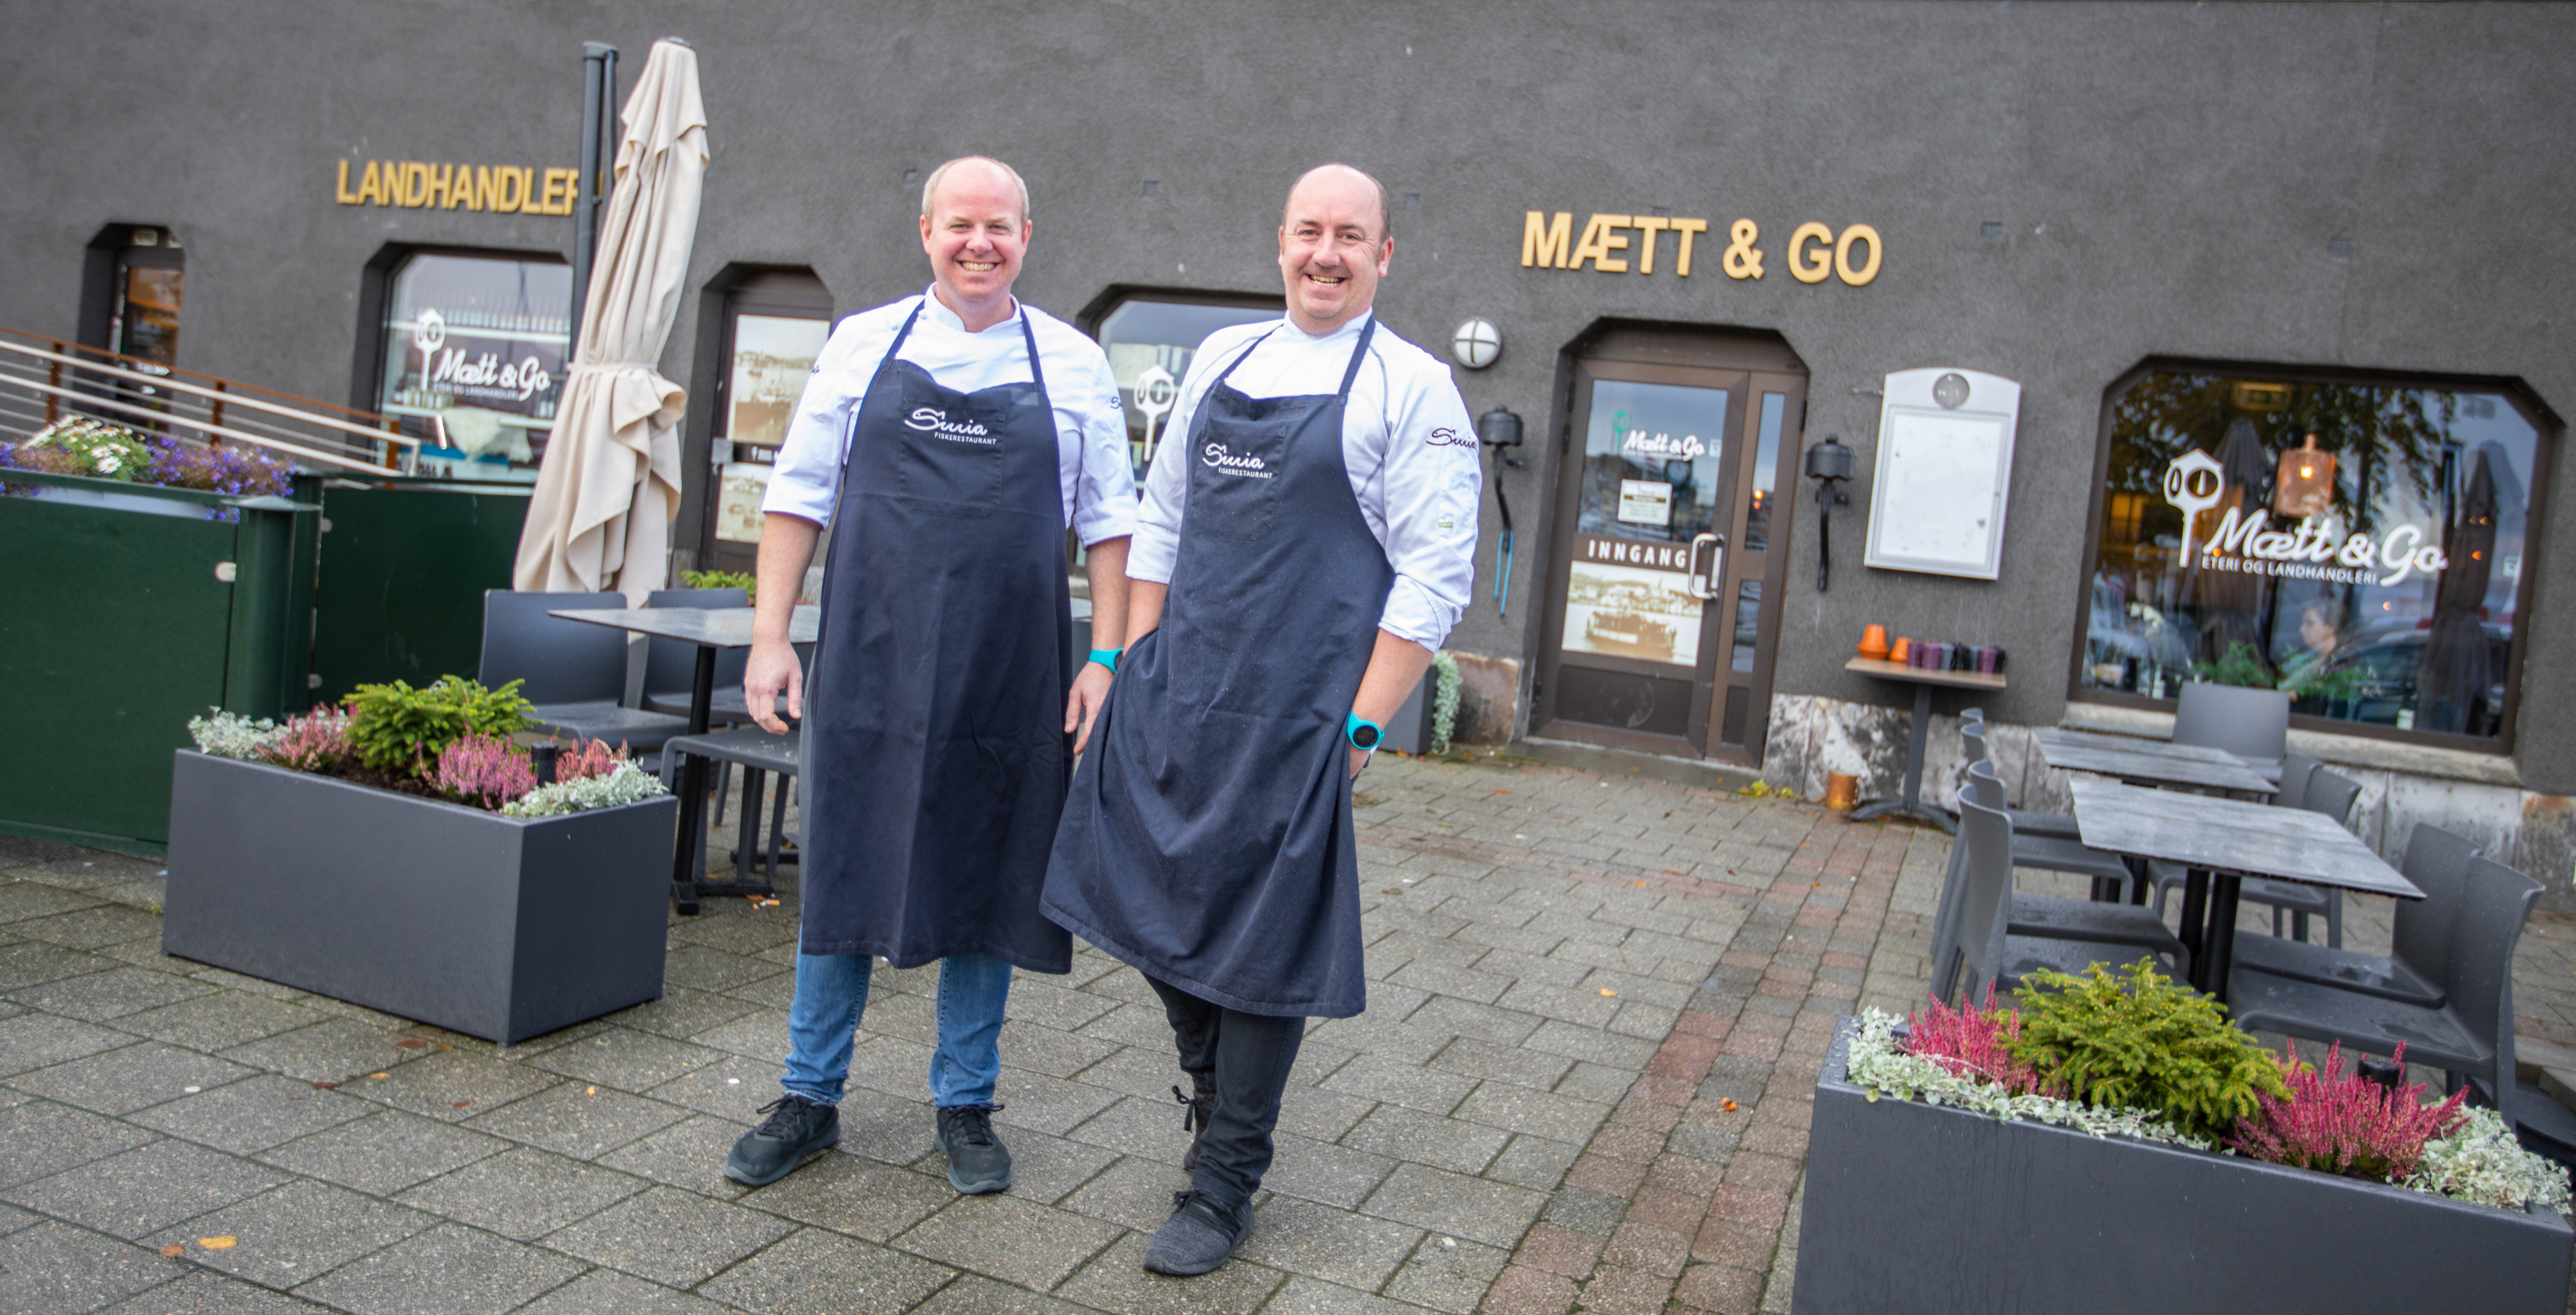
<point>2533,832</point>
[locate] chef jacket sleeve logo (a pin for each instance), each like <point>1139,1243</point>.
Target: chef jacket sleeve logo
<point>1448,438</point>
<point>932,420</point>
<point>1223,460</point>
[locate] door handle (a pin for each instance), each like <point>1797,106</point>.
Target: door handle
<point>1703,585</point>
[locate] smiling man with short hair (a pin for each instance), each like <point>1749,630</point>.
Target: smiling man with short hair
<point>1297,559</point>
<point>948,439</point>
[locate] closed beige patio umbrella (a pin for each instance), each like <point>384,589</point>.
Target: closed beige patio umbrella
<point>610,481</point>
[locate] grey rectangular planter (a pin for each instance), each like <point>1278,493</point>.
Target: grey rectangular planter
<point>1922,1208</point>
<point>487,925</point>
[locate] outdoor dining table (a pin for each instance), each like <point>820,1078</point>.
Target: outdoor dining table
<point>2148,762</point>
<point>2230,840</point>
<point>710,628</point>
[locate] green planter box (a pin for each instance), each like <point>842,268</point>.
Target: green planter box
<point>125,610</point>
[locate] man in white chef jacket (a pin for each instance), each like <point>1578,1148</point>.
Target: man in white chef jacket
<point>1300,553</point>
<point>949,440</point>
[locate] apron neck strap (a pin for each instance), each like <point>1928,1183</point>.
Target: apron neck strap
<point>1238,357</point>
<point>1029,335</point>
<point>1358,354</point>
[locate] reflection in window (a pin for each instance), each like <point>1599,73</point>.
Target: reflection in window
<point>2373,573</point>
<point>1651,461</point>
<point>474,358</point>
<point>1766,461</point>
<point>1748,622</point>
<point>1150,344</point>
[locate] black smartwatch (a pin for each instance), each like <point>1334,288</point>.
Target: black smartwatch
<point>1363,734</point>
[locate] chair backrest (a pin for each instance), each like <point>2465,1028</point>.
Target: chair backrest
<point>2437,861</point>
<point>561,661</point>
<point>2332,793</point>
<point>2253,724</point>
<point>1985,897</point>
<point>2296,768</point>
<point>1972,739</point>
<point>2499,900</point>
<point>671,665</point>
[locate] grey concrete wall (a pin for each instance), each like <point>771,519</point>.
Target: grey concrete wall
<point>2167,178</point>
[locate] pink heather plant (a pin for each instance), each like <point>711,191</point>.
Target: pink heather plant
<point>1971,1042</point>
<point>484,770</point>
<point>318,741</point>
<point>2346,1125</point>
<point>592,758</point>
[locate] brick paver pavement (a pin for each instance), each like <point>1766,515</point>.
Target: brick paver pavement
<point>1596,1010</point>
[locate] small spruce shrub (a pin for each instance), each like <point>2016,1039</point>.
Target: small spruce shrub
<point>2340,1123</point>
<point>742,580</point>
<point>397,729</point>
<point>2141,1041</point>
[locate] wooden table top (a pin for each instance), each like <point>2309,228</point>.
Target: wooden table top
<point>1922,676</point>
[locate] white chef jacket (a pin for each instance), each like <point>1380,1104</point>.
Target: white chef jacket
<point>1090,427</point>
<point>1406,442</point>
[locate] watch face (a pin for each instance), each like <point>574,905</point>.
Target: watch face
<point>1366,737</point>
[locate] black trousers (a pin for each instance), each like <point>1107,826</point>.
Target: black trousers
<point>1245,1058</point>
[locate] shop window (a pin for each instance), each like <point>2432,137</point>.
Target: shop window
<point>1151,338</point>
<point>775,325</point>
<point>2359,543</point>
<point>472,358</point>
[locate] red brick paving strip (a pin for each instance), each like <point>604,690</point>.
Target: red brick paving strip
<point>1705,1187</point>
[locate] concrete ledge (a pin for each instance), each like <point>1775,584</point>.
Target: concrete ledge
<point>2339,750</point>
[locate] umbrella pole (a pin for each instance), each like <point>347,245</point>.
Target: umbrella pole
<point>598,93</point>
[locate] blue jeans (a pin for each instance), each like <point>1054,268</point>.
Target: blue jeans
<point>831,993</point>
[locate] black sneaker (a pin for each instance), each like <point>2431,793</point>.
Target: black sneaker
<point>1195,1113</point>
<point>977,1160</point>
<point>796,1127</point>
<point>1200,1235</point>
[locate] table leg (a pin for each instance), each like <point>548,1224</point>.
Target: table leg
<point>2222,933</point>
<point>2195,912</point>
<point>687,864</point>
<point>1911,802</point>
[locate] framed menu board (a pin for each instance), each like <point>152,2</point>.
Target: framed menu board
<point>1945,444</point>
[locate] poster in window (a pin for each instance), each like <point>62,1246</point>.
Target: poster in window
<point>1631,612</point>
<point>772,356</point>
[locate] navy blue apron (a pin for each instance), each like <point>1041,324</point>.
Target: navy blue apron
<point>1208,841</point>
<point>935,758</point>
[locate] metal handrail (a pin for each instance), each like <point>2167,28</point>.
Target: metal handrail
<point>158,416</point>
<point>221,397</point>
<point>141,365</point>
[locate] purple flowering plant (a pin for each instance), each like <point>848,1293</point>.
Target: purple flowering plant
<point>486,771</point>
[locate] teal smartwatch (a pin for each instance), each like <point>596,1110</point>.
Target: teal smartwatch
<point>1364,735</point>
<point>1107,657</point>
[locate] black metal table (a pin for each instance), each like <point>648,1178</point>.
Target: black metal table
<point>1911,802</point>
<point>2230,840</point>
<point>710,628</point>
<point>2148,762</point>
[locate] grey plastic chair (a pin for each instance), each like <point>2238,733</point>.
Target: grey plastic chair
<point>2025,823</point>
<point>2050,853</point>
<point>574,672</point>
<point>2253,724</point>
<point>1977,947</point>
<point>2470,1034</point>
<point>757,752</point>
<point>2419,965</point>
<point>2051,918</point>
<point>671,665</point>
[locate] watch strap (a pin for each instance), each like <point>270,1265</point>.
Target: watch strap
<point>1107,657</point>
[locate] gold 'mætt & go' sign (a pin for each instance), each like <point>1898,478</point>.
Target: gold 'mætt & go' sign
<point>501,188</point>
<point>1815,252</point>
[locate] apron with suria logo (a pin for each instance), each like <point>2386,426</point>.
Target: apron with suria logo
<point>1208,840</point>
<point>935,755</point>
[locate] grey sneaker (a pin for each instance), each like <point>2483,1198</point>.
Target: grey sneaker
<point>1196,1110</point>
<point>977,1160</point>
<point>1200,1235</point>
<point>796,1127</point>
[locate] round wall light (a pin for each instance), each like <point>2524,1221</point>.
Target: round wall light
<point>1476,343</point>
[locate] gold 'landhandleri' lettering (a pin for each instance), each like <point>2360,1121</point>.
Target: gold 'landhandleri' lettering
<point>1597,244</point>
<point>1811,266</point>
<point>507,189</point>
<point>1545,246</point>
